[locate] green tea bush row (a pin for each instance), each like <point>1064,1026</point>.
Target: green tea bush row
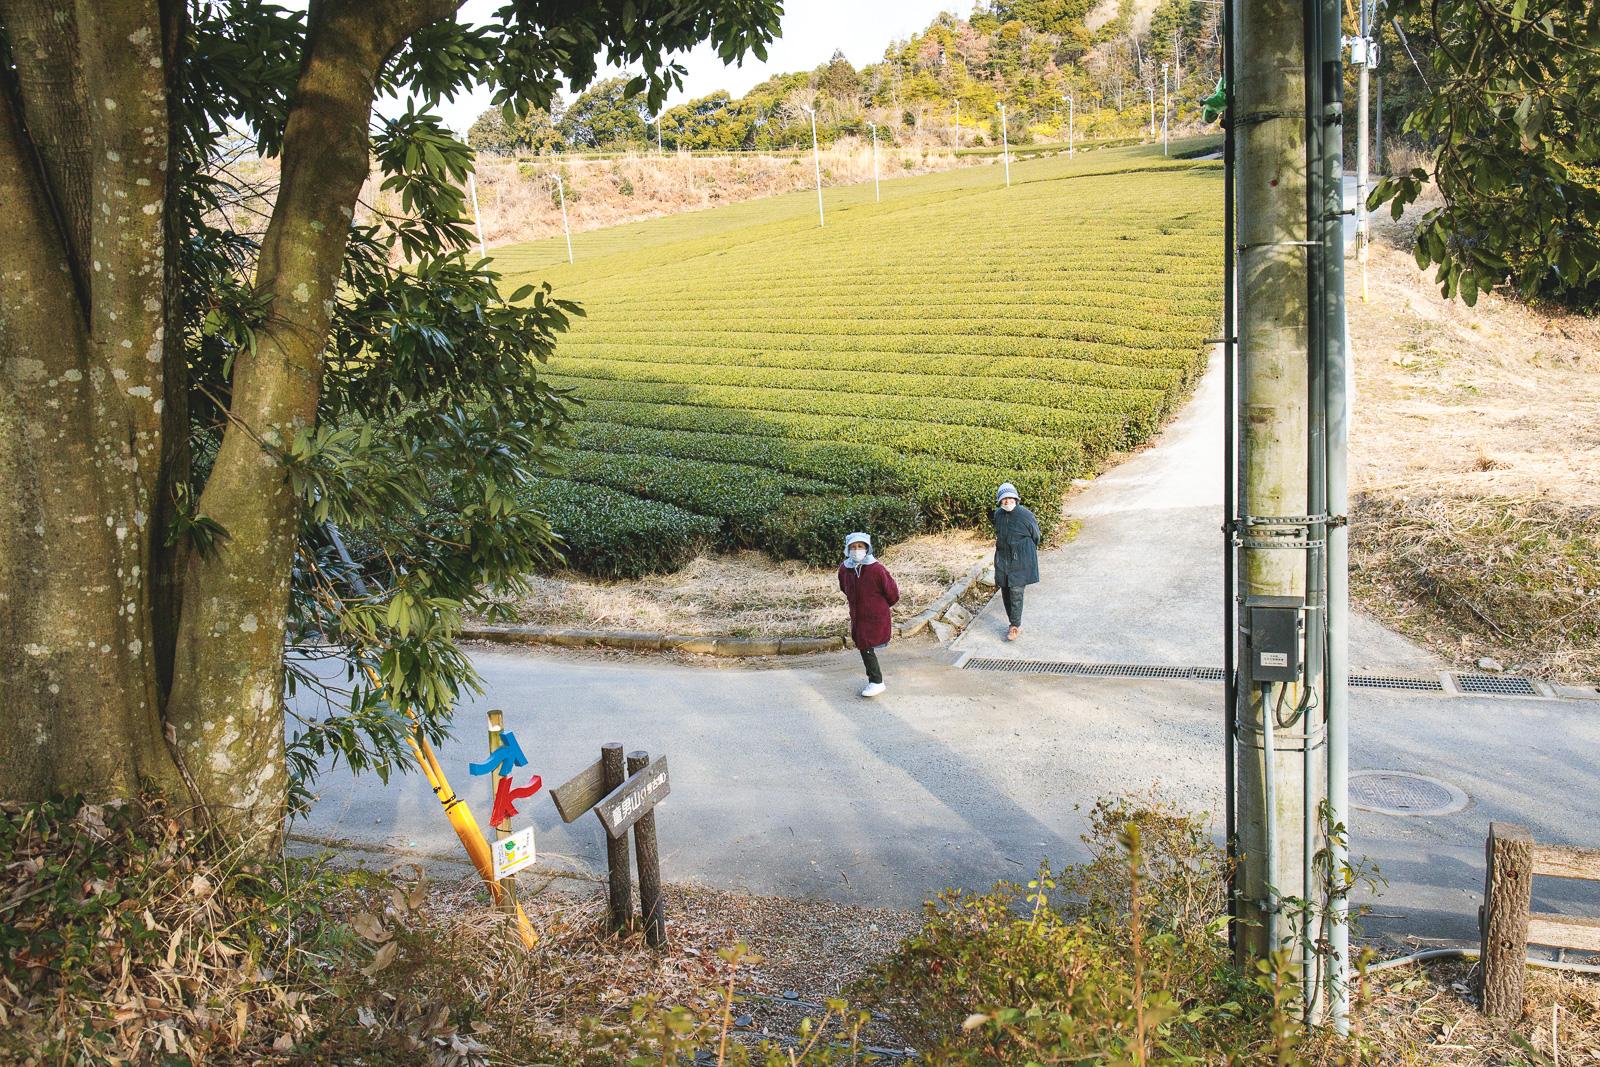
<point>614,535</point>
<point>998,368</point>
<point>964,444</point>
<point>945,493</point>
<point>1092,330</point>
<point>813,528</point>
<point>740,496</point>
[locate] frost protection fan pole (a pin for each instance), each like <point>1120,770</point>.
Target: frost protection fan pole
<point>1166,108</point>
<point>561,193</point>
<point>1152,90</point>
<point>477,218</point>
<point>1005,145</point>
<point>816,163</point>
<point>876,195</point>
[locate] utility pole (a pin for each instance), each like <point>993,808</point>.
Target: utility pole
<point>876,195</point>
<point>1361,56</point>
<point>1166,108</point>
<point>561,191</point>
<point>1291,376</point>
<point>477,217</point>
<point>816,163</point>
<point>1005,146</point>
<point>1152,88</point>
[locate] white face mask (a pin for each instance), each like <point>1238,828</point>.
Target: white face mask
<point>858,554</point>
<point>1008,504</point>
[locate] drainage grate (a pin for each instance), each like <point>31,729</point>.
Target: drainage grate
<point>1404,793</point>
<point>1103,670</point>
<point>1389,681</point>
<point>1498,685</point>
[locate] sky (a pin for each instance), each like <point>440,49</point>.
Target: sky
<point>811,30</point>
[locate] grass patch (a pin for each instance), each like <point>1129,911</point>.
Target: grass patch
<point>1516,580</point>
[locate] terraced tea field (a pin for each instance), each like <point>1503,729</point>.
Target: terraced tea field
<point>751,380</point>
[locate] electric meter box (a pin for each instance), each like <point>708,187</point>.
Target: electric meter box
<point>1275,624</point>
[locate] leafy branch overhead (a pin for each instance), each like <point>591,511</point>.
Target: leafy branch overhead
<point>1515,113</point>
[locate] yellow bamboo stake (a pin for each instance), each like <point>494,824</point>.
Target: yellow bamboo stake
<point>466,827</point>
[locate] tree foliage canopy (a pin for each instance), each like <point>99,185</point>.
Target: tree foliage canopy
<point>1513,110</point>
<point>284,412</point>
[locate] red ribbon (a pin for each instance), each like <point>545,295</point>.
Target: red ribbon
<point>504,809</point>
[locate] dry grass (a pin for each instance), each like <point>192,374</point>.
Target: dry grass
<point>746,594</point>
<point>1476,469</point>
<point>519,203</point>
<point>1426,1016</point>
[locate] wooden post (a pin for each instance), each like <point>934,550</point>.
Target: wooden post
<point>651,909</point>
<point>502,830</point>
<point>1507,896</point>
<point>613,763</point>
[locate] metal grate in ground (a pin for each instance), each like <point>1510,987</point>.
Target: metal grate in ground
<point>1389,681</point>
<point>1496,685</point>
<point>1102,670</point>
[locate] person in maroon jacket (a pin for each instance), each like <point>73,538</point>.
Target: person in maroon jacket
<point>871,591</point>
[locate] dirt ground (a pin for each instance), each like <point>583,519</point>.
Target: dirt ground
<point>1475,469</point>
<point>747,594</point>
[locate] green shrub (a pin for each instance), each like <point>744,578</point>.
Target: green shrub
<point>813,528</point>
<point>614,535</point>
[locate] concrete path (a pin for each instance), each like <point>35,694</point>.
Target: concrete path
<point>785,782</point>
<point>1142,581</point>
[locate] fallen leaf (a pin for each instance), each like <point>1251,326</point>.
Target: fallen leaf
<point>381,959</point>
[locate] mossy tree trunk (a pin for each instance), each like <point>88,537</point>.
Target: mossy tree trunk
<point>124,661</point>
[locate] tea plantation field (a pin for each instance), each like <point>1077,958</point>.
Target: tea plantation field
<point>749,379</point>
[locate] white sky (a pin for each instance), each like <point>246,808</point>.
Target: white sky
<point>811,30</point>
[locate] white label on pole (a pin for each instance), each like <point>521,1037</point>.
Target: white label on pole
<point>514,853</point>
<point>1274,659</point>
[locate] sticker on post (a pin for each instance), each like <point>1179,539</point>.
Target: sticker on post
<point>1274,659</point>
<point>513,853</point>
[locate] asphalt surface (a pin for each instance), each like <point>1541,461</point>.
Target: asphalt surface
<point>784,781</point>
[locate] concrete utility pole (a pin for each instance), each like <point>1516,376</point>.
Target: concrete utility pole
<point>876,195</point>
<point>1279,785</point>
<point>561,191</point>
<point>1005,145</point>
<point>1166,109</point>
<point>1152,89</point>
<point>816,163</point>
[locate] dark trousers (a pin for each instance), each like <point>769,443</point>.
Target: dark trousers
<point>869,659</point>
<point>1011,596</point>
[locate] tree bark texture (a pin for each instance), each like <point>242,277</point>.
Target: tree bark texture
<point>1507,897</point>
<point>110,641</point>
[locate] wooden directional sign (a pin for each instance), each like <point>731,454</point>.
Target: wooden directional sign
<point>582,792</point>
<point>642,791</point>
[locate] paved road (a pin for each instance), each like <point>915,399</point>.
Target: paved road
<point>785,782</point>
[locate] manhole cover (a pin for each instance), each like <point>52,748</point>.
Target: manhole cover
<point>1403,793</point>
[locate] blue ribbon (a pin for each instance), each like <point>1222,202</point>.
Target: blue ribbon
<point>503,759</point>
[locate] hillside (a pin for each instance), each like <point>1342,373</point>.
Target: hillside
<point>750,380</point>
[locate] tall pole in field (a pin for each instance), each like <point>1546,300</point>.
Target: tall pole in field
<point>658,135</point>
<point>1166,109</point>
<point>1152,90</point>
<point>561,192</point>
<point>477,218</point>
<point>816,163</point>
<point>876,194</point>
<point>1005,146</point>
<point>1069,126</point>
<point>1361,55</point>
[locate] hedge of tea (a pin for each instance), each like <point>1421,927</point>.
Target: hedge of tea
<point>749,379</point>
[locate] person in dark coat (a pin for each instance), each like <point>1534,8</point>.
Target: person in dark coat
<point>870,590</point>
<point>1016,553</point>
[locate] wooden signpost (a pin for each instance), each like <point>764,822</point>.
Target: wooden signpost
<point>623,793</point>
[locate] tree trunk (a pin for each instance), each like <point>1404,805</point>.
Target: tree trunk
<point>83,160</point>
<point>125,662</point>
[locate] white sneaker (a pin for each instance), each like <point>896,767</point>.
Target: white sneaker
<point>873,689</point>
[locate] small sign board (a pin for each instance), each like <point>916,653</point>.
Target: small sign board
<point>583,792</point>
<point>512,854</point>
<point>643,790</point>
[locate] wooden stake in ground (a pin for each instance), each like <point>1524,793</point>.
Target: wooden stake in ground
<point>614,765</point>
<point>1507,896</point>
<point>651,909</point>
